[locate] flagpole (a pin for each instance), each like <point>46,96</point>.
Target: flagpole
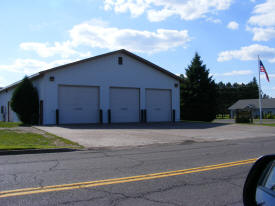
<point>260,91</point>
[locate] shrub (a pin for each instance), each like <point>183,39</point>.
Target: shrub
<point>243,116</point>
<point>25,102</point>
<point>269,116</point>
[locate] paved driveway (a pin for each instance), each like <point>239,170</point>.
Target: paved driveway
<point>119,135</point>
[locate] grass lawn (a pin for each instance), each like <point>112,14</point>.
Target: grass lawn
<point>19,140</point>
<point>271,125</point>
<point>13,137</point>
<point>9,124</point>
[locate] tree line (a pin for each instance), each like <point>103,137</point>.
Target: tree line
<point>201,99</point>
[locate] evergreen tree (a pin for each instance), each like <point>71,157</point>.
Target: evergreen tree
<point>198,93</point>
<point>24,102</point>
<point>228,94</point>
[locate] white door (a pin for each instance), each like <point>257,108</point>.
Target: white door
<point>158,105</point>
<point>124,104</point>
<point>78,104</point>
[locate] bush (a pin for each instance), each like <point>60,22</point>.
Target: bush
<point>269,116</point>
<point>25,102</point>
<point>243,116</point>
<point>242,120</point>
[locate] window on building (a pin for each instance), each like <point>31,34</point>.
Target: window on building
<point>120,60</point>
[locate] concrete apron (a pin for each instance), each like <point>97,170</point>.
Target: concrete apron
<point>121,135</point>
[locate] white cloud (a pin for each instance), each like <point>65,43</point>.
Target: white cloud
<point>3,82</point>
<point>263,21</point>
<point>235,73</point>
<point>31,66</point>
<point>63,49</point>
<point>271,76</point>
<point>264,14</point>
<point>238,72</point>
<point>249,53</point>
<point>136,8</point>
<point>262,34</point>
<point>97,34</point>
<point>233,25</point>
<point>158,10</point>
<point>213,20</point>
<point>135,40</point>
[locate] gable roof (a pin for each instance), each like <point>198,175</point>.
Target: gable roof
<point>123,51</point>
<point>243,103</point>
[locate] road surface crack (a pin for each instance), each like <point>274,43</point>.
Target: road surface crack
<point>55,165</point>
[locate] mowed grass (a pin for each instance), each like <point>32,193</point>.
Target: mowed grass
<point>9,124</point>
<point>12,140</point>
<point>271,125</point>
<point>12,137</point>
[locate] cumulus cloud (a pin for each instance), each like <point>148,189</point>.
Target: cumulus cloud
<point>158,10</point>
<point>262,34</point>
<point>249,53</point>
<point>63,49</point>
<point>214,20</point>
<point>233,25</point>
<point>31,66</point>
<point>101,36</point>
<point>96,34</point>
<point>263,21</point>
<point>135,40</point>
<point>235,73</point>
<point>264,14</point>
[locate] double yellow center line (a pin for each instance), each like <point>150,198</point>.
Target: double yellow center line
<point>79,185</point>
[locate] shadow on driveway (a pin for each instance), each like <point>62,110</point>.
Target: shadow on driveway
<point>163,125</point>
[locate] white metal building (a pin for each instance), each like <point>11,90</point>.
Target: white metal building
<point>114,87</point>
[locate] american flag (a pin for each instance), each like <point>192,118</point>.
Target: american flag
<point>262,69</point>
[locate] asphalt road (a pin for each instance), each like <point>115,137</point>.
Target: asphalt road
<point>218,186</point>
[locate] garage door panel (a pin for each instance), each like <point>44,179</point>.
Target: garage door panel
<point>78,104</point>
<point>158,105</point>
<point>124,104</point>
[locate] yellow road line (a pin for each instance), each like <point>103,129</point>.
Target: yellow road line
<point>79,185</point>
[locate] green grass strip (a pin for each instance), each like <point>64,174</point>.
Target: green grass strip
<point>17,140</point>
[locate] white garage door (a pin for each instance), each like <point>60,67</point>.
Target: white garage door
<point>78,104</point>
<point>158,105</point>
<point>124,104</point>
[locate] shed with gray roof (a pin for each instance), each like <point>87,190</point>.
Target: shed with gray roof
<point>268,106</point>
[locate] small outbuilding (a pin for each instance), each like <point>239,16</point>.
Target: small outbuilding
<point>114,87</point>
<point>268,107</point>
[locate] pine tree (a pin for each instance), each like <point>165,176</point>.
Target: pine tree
<point>198,93</point>
<point>24,102</point>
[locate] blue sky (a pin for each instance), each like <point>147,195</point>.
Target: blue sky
<point>228,34</point>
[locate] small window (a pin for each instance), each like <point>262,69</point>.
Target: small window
<point>2,109</point>
<point>51,78</point>
<point>120,60</point>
